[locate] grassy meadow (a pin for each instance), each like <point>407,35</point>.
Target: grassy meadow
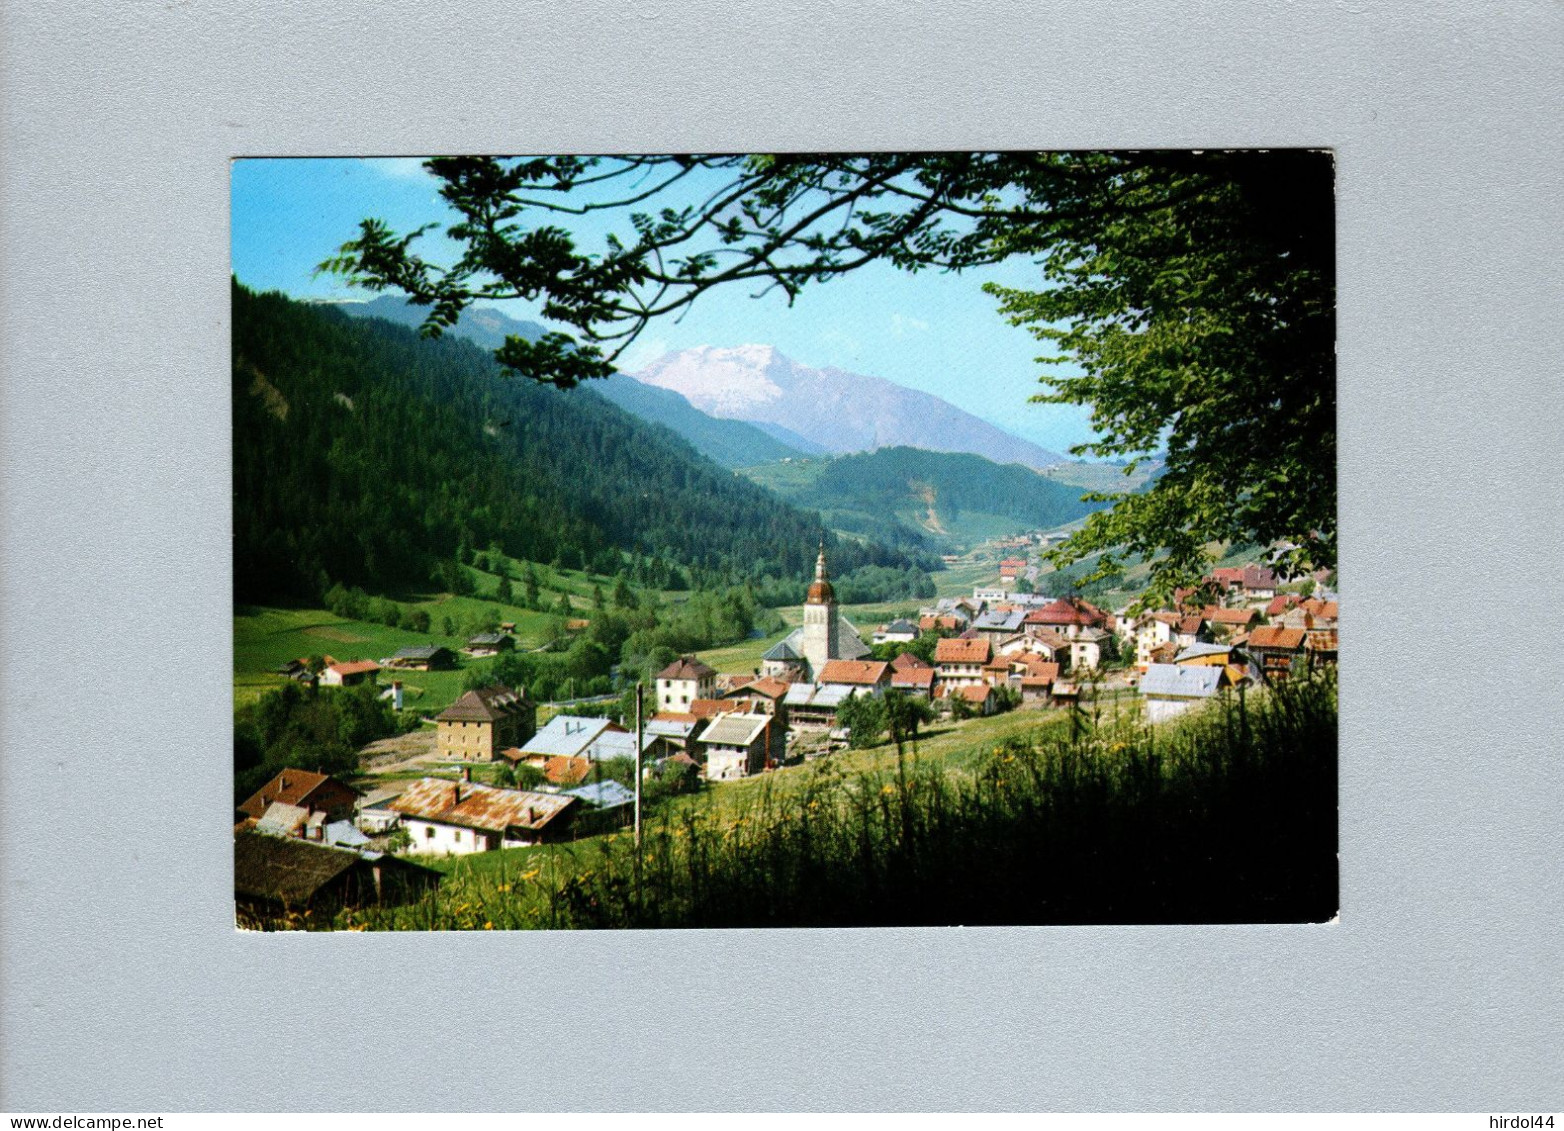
<point>1227,815</point>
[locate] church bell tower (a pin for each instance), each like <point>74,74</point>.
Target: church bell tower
<point>819,642</point>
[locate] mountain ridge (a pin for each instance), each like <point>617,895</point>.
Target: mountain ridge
<point>839,410</point>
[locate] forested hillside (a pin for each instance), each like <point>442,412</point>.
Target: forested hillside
<point>366,455</point>
<point>952,495</point>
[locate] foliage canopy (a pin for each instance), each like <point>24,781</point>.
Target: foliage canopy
<point>1187,298</point>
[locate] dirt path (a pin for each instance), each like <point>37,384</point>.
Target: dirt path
<point>403,752</point>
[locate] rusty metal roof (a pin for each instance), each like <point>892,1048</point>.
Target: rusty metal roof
<point>484,807</point>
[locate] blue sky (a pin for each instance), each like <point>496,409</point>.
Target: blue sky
<point>935,332</point>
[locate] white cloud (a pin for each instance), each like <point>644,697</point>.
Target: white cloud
<point>902,325</point>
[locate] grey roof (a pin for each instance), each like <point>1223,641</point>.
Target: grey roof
<point>735,730</point>
<point>670,728</point>
<point>568,736</point>
<point>850,643</point>
<point>1000,622</point>
<point>345,834</point>
<point>489,638</point>
<point>902,626</point>
<point>1195,651</point>
<point>603,794</point>
<point>786,648</point>
<point>611,744</point>
<point>282,819</point>
<point>798,695</point>
<point>1180,681</point>
<point>420,652</point>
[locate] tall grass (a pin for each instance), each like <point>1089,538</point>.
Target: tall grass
<point>1228,815</point>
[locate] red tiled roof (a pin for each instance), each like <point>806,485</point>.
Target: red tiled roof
<point>770,687</point>
<point>1281,603</point>
<point>1239,617</point>
<point>1068,610</point>
<point>1274,636</point>
<point>961,651</point>
<point>1190,625</point>
<point>913,677</point>
<point>710,708</point>
<point>863,672</point>
<point>907,661</point>
<point>355,667</point>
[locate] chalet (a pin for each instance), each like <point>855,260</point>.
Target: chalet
<point>306,790</point>
<point>1325,613</point>
<point>1087,648</point>
<point>1034,676</point>
<point>811,706</point>
<point>1069,616</point>
<point>282,819</point>
<point>897,632</point>
<point>736,746</point>
<point>979,697</point>
<point>489,644</point>
<point>573,736</point>
<point>1320,646</point>
<point>1151,632</point>
<point>1278,650</point>
<point>349,673</point>
<point>377,817</point>
<point>1171,689</point>
<point>1011,568</point>
<point>1041,642</point>
<point>684,681</point>
<point>1236,668</point>
<point>996,624</point>
<point>1191,630</point>
<point>1280,604</point>
<point>869,676</point>
<point>447,818</point>
<point>960,662</point>
<point>783,660</point>
<point>275,874</point>
<point>762,696</point>
<point>1229,620</point>
<point>424,658</point>
<point>912,676</point>
<point>605,805</point>
<point>484,722</point>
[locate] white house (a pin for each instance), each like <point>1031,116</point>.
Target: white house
<point>735,746</point>
<point>1171,689</point>
<point>684,681</point>
<point>455,818</point>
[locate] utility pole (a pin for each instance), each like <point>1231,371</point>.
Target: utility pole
<point>639,687</point>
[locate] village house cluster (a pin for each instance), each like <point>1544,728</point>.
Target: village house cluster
<point>306,838</point>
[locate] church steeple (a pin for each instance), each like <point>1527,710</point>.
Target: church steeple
<point>821,593</point>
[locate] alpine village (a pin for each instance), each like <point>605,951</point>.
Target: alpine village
<point>706,707</point>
